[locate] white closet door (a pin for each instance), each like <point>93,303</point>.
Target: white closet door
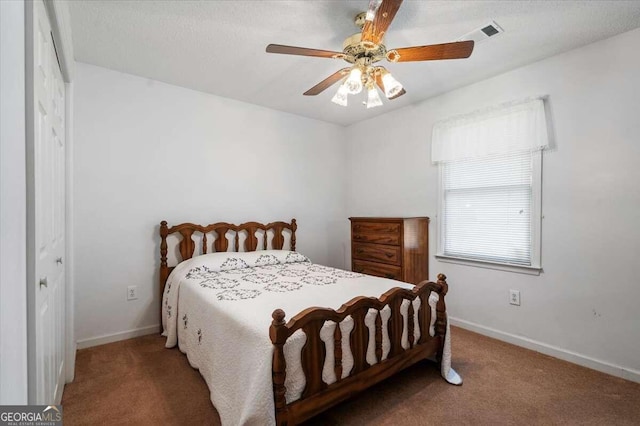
<point>48,221</point>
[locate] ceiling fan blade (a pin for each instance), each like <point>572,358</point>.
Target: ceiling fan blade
<point>302,51</point>
<point>327,82</point>
<point>381,86</point>
<point>455,50</point>
<point>375,29</point>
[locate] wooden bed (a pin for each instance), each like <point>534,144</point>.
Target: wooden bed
<point>317,395</point>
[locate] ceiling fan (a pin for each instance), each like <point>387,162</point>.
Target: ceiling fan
<point>363,50</point>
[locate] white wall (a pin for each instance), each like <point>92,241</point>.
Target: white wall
<point>146,151</point>
<point>586,300</point>
<point>13,290</point>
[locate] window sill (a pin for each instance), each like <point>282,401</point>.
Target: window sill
<point>529,270</point>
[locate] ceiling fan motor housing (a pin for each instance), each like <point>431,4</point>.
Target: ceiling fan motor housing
<point>356,50</point>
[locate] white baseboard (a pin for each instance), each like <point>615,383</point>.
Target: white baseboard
<point>554,351</point>
<point>114,337</point>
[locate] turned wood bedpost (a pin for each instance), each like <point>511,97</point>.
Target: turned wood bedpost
<point>278,335</point>
<point>441,314</point>
<point>164,269</point>
<point>294,226</point>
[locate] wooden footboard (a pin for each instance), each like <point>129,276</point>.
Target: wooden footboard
<point>317,395</point>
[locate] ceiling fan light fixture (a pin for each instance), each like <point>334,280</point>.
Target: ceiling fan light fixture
<point>391,86</point>
<point>373,98</point>
<point>340,98</point>
<point>373,8</point>
<point>354,81</point>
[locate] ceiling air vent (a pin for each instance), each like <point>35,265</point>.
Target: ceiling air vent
<point>483,33</point>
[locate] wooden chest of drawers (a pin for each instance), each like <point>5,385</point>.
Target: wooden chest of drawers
<point>396,248</point>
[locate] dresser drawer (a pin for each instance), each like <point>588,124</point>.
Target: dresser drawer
<point>378,253</point>
<point>378,270</point>
<point>392,239</point>
<point>375,228</point>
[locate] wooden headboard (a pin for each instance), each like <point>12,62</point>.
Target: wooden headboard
<point>187,245</point>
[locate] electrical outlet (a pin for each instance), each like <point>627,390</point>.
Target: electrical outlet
<point>132,292</point>
<point>514,297</point>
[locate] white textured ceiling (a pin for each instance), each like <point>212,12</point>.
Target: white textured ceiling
<point>219,46</point>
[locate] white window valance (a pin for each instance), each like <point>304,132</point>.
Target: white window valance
<point>508,128</point>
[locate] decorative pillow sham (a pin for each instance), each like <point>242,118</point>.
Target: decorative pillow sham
<point>229,261</point>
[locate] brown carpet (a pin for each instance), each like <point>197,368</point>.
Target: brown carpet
<point>140,382</point>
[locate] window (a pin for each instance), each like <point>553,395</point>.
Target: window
<point>489,210</point>
<point>490,185</point>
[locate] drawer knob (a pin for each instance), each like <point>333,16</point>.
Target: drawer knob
<point>389,255</point>
<point>390,276</point>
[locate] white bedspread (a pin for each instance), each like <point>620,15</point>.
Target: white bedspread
<point>217,308</point>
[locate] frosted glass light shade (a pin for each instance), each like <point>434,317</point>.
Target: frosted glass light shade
<point>373,98</point>
<point>391,86</point>
<point>354,82</point>
<point>340,97</point>
<point>373,8</point>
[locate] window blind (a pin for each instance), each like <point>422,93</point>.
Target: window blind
<point>487,208</point>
